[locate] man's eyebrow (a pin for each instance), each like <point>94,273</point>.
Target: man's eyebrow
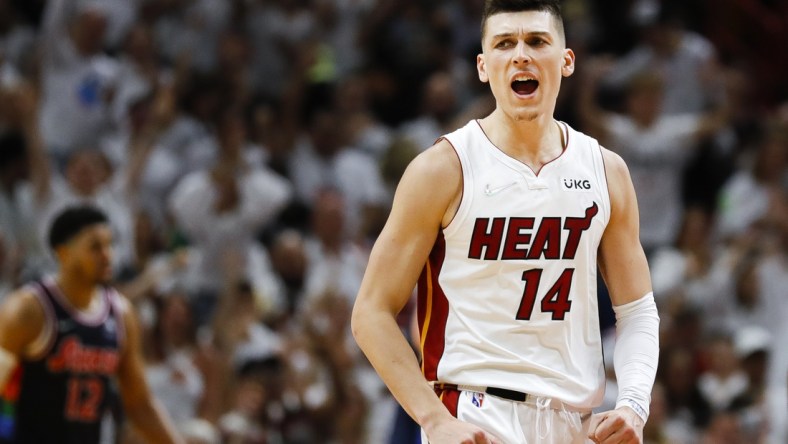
<point>504,35</point>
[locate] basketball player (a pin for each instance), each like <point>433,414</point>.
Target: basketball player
<point>69,336</point>
<point>500,223</point>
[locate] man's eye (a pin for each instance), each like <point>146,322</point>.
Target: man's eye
<point>537,42</point>
<point>504,44</point>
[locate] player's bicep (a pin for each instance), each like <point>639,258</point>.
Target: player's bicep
<point>621,258</point>
<point>21,321</point>
<point>423,197</point>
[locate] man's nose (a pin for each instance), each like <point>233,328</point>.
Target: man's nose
<point>521,54</point>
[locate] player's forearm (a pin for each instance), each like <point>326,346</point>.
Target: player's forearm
<point>637,353</point>
<point>8,362</point>
<point>382,341</point>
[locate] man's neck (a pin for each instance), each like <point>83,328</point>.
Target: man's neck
<point>78,292</point>
<point>533,142</point>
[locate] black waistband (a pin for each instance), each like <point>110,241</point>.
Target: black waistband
<point>511,395</point>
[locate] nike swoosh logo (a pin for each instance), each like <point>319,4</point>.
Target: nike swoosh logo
<point>492,191</point>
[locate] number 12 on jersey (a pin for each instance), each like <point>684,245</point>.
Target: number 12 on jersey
<point>555,301</point>
<point>84,399</point>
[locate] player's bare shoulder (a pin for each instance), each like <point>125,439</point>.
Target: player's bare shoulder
<point>23,306</point>
<point>22,319</point>
<point>438,163</point>
<point>122,303</point>
<point>434,179</point>
<point>619,182</point>
<point>125,310</point>
<point>126,314</point>
<point>615,167</point>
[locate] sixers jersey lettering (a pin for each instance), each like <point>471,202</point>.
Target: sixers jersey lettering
<point>61,391</point>
<point>508,295</point>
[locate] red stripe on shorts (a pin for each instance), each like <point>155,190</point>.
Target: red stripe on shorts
<point>450,398</point>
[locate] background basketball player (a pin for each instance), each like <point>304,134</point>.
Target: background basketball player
<point>67,338</point>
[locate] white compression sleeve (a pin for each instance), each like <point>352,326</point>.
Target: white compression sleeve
<point>637,353</point>
<point>7,365</point>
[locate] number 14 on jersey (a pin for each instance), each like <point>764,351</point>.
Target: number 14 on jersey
<point>555,301</point>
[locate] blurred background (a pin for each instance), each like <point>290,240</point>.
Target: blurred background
<point>246,152</point>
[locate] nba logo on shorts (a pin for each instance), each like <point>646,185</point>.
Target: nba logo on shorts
<point>477,399</point>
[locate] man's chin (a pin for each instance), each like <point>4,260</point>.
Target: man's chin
<point>527,116</point>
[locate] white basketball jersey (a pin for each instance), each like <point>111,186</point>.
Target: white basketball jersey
<point>508,296</point>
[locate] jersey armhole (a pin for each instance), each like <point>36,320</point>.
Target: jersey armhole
<point>604,181</point>
<point>114,300</point>
<point>46,338</point>
<point>466,177</point>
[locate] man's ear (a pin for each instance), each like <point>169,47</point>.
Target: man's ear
<point>481,68</point>
<point>60,251</point>
<point>569,63</point>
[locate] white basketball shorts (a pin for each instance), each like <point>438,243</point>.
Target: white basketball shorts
<point>534,421</point>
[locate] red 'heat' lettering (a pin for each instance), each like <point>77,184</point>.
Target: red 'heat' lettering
<point>576,227</point>
<point>491,240</point>
<point>515,237</point>
<point>546,238</point>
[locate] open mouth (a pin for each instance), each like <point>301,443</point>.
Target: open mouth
<point>525,87</point>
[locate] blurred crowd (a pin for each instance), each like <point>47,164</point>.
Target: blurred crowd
<point>246,152</point>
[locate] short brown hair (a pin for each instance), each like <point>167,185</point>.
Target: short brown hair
<point>492,7</point>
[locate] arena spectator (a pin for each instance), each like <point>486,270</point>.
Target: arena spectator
<point>78,81</point>
<point>222,209</point>
<point>656,146</point>
<point>321,161</point>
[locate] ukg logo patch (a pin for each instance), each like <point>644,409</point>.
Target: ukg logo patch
<point>581,185</point>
